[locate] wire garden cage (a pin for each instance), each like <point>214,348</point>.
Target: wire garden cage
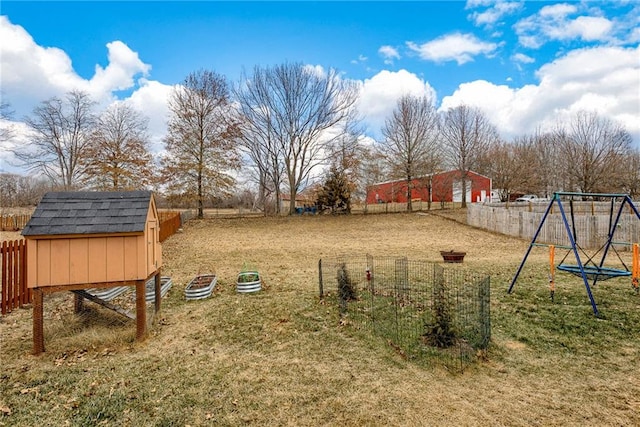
<point>423,309</point>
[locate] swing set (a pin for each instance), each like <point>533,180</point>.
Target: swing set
<point>590,269</point>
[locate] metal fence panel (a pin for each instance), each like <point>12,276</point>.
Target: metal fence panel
<point>422,308</point>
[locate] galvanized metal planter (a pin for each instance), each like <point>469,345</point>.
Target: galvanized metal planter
<point>200,287</point>
<point>165,285</point>
<point>108,294</point>
<point>248,281</point>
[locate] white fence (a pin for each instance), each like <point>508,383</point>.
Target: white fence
<point>591,221</point>
<point>393,207</point>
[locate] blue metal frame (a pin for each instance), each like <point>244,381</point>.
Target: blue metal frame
<point>580,267</point>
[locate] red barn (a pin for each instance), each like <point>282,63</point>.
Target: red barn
<point>440,187</point>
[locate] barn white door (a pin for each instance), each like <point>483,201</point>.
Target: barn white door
<point>457,191</point>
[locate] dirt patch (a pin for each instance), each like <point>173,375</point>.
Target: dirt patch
<point>514,345</point>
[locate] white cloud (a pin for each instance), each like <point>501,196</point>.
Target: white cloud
<point>124,64</point>
<point>476,3</point>
<point>523,59</point>
<point>602,79</point>
<point>453,47</point>
<point>361,58</point>
<point>494,13</point>
<point>20,132</point>
<point>389,53</point>
<point>33,73</point>
<point>559,10</point>
<point>554,23</point>
<point>318,70</point>
<point>151,99</point>
<point>589,28</point>
<point>379,95</point>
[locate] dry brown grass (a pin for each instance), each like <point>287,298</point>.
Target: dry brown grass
<point>280,356</point>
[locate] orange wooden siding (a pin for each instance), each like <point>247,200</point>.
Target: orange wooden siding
<point>77,260</point>
<point>78,265</point>
<point>96,258</point>
<point>59,261</point>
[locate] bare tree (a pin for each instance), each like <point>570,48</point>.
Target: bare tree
<point>518,166</point>
<point>466,135</point>
<point>6,130</point>
<point>17,190</point>
<point>593,147</point>
<point>549,165</point>
<point>201,140</point>
<point>411,144</point>
<point>502,166</point>
<point>60,138</point>
<point>290,110</point>
<point>259,139</point>
<point>118,155</point>
<point>373,170</point>
<point>630,176</point>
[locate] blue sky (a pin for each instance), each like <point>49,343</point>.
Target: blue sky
<point>527,64</point>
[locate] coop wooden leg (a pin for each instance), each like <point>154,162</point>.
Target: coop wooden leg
<point>141,311</point>
<point>78,303</point>
<point>157,287</point>
<point>38,330</point>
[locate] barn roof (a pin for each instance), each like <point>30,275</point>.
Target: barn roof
<point>433,175</point>
<point>89,212</point>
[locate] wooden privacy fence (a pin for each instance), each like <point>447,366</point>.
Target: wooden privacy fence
<point>170,222</point>
<point>13,222</point>
<point>14,271</point>
<point>591,222</point>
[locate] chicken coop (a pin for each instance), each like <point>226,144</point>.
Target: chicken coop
<point>84,240</point>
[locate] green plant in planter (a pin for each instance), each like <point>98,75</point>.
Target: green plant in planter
<point>248,276</point>
<point>346,289</point>
<point>440,330</point>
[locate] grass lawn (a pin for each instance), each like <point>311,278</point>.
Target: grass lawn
<point>282,357</point>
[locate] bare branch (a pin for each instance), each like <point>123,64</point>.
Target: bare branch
<point>119,158</point>
<point>288,111</point>
<point>466,135</point>
<point>201,139</point>
<point>411,144</point>
<point>60,136</point>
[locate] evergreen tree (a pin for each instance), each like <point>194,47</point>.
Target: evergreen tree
<point>335,194</point>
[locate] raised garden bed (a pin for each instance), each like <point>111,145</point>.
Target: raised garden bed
<point>248,281</point>
<point>200,287</point>
<point>165,285</point>
<point>108,294</point>
<point>452,256</point>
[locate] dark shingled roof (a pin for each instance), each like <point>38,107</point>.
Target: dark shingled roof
<point>89,212</point>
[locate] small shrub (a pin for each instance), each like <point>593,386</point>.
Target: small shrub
<point>440,330</point>
<point>346,290</point>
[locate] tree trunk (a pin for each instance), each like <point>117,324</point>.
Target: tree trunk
<point>464,191</point>
<point>429,190</point>
<point>200,201</point>
<point>409,204</point>
<point>292,202</point>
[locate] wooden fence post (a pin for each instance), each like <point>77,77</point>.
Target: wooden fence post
<point>4,301</point>
<point>141,310</point>
<point>38,329</point>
